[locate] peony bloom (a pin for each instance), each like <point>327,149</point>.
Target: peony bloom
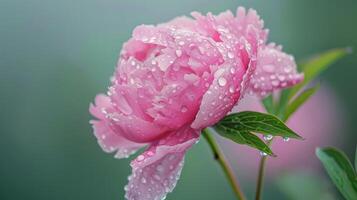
<point>174,79</point>
<point>319,121</point>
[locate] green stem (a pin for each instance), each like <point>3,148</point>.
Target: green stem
<point>260,180</point>
<point>218,155</point>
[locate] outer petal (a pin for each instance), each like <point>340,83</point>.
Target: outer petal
<point>275,70</point>
<point>109,139</point>
<point>156,171</point>
<point>221,96</point>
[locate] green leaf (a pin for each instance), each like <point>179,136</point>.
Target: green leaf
<point>313,67</point>
<point>259,123</point>
<point>299,101</point>
<point>340,170</point>
<point>243,137</point>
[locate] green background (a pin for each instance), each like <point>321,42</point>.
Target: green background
<point>56,55</point>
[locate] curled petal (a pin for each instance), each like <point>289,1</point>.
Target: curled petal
<point>109,139</point>
<point>221,96</point>
<point>275,70</point>
<point>156,171</point>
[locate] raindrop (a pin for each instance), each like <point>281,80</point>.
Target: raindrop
<point>160,168</point>
<point>157,177</point>
<point>269,68</point>
<point>286,139</point>
<point>230,55</point>
<point>184,109</point>
<point>143,180</point>
<point>275,83</point>
<point>140,158</point>
<point>263,153</point>
<point>181,43</point>
<point>178,52</point>
<point>287,69</point>
<point>231,89</point>
<point>281,78</point>
<point>268,137</point>
<point>232,70</point>
<point>222,81</point>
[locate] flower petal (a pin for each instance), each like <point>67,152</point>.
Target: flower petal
<point>221,96</point>
<point>275,70</point>
<point>108,137</point>
<point>156,171</point>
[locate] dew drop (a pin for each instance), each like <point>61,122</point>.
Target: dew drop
<point>140,158</point>
<point>263,153</point>
<point>287,69</point>
<point>230,55</point>
<point>160,168</point>
<point>268,68</point>
<point>267,137</point>
<point>181,43</point>
<point>222,81</point>
<point>281,78</point>
<point>231,89</point>
<point>143,180</point>
<point>275,83</point>
<point>184,109</point>
<point>286,139</point>
<point>157,177</point>
<point>232,70</point>
<point>178,52</point>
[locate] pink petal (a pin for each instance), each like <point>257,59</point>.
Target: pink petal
<point>221,96</point>
<point>275,70</point>
<point>156,171</point>
<point>109,139</point>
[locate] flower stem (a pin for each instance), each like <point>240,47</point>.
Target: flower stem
<point>260,180</point>
<point>218,155</point>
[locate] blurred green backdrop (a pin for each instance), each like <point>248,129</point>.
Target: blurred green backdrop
<point>56,55</point>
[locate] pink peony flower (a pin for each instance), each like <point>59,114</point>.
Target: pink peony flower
<point>174,79</point>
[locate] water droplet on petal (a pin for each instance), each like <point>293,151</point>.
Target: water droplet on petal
<point>150,153</point>
<point>231,89</point>
<point>181,43</point>
<point>160,168</point>
<point>232,70</point>
<point>230,55</point>
<point>184,109</point>
<point>157,177</point>
<point>178,52</point>
<point>275,83</point>
<point>222,81</point>
<point>281,78</point>
<point>268,68</point>
<point>287,69</point>
<point>140,158</point>
<point>143,180</point>
<point>286,139</point>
